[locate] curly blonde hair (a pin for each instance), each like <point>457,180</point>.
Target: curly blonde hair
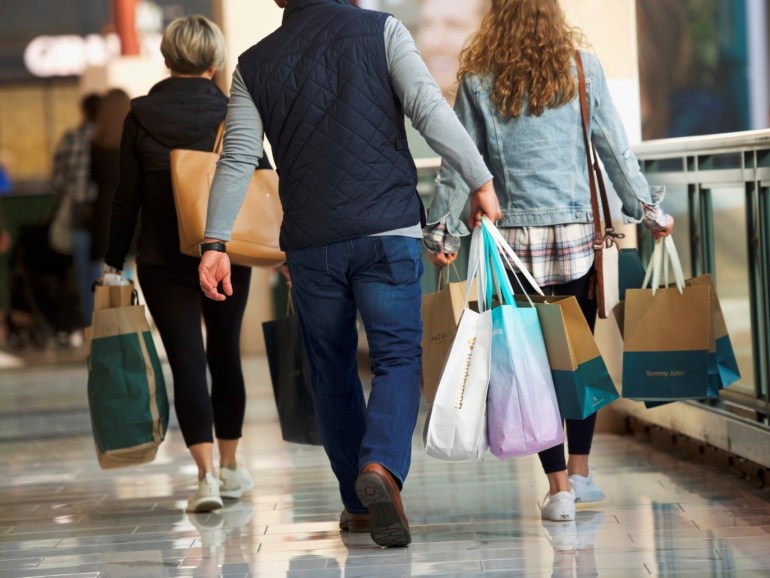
<point>528,47</point>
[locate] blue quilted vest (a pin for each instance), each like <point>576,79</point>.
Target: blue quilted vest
<point>322,88</point>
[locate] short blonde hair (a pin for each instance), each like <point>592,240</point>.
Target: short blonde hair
<point>192,45</point>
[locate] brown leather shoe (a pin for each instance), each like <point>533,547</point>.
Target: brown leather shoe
<point>379,492</point>
<point>355,523</point>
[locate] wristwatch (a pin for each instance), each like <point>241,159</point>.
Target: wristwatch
<point>214,246</point>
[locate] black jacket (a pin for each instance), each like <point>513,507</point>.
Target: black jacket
<point>177,113</point>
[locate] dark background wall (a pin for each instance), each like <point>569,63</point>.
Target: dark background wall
<point>23,20</point>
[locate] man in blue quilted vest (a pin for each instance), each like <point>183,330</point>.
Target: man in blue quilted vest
<point>329,89</point>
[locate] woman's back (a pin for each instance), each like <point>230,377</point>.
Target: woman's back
<point>177,113</point>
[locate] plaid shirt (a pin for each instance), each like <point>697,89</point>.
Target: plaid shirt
<point>556,254</point>
<point>72,164</point>
<point>553,255</point>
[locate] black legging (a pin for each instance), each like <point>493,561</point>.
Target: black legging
<point>580,432</point>
<point>176,303</point>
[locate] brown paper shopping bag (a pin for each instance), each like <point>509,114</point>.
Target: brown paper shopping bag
<point>441,312</point>
<point>580,376</point>
<point>126,389</point>
<point>667,334</point>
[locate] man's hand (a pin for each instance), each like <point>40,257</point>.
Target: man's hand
<point>441,260</point>
<point>484,202</point>
<point>213,269</point>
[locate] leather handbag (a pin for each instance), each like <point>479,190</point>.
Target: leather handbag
<point>606,285</point>
<point>254,237</point>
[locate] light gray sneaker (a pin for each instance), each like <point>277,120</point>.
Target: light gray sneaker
<point>559,507</point>
<point>585,489</point>
<point>235,482</point>
<point>206,496</point>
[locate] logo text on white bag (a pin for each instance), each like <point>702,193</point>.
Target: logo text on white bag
<point>466,370</point>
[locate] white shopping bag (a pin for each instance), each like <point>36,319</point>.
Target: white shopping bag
<point>457,429</point>
<point>457,425</point>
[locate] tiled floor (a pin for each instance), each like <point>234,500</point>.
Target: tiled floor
<point>60,515</point>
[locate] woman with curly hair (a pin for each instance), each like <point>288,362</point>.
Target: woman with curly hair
<point>518,98</point>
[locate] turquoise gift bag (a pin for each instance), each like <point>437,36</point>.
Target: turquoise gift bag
<point>522,410</point>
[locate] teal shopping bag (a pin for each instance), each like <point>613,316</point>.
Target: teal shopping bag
<point>580,376</point>
<point>723,366</point>
<point>126,389</point>
<point>630,271</point>
<point>523,415</point>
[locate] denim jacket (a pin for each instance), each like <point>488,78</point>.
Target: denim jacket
<point>539,162</point>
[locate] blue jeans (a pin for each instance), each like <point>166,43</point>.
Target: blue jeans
<point>378,278</point>
<point>87,271</point>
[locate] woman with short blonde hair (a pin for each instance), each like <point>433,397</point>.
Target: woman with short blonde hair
<point>192,45</point>
<point>184,111</point>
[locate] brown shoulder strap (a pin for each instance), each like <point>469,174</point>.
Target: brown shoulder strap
<point>592,159</point>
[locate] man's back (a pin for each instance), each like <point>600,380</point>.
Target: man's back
<point>322,88</point>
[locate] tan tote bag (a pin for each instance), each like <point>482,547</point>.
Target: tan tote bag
<point>254,238</point>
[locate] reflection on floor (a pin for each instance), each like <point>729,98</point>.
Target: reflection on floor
<point>63,516</point>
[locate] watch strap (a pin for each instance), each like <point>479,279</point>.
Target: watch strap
<point>213,246</point>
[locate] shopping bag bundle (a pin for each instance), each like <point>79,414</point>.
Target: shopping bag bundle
<point>457,425</point>
<point>721,366</point>
<point>516,367</point>
<point>581,378</point>
<point>523,413</point>
<point>290,376</point>
<point>126,389</point>
<point>667,333</point>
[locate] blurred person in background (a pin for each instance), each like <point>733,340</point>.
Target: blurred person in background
<point>105,151</point>
<point>443,28</point>
<point>74,192</point>
<point>184,111</point>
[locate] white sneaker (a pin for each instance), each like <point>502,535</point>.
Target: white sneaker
<point>206,497</point>
<point>559,507</point>
<point>235,482</point>
<point>585,489</point>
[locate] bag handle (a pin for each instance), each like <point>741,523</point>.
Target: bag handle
<point>664,257</point>
<point>510,257</point>
<point>477,269</point>
<point>501,255</point>
<point>448,275</point>
<point>220,139</point>
<point>594,172</point>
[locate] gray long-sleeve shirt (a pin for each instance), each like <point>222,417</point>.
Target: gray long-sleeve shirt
<point>423,103</point>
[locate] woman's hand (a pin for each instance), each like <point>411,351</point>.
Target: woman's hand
<point>660,233</point>
<point>441,260</point>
